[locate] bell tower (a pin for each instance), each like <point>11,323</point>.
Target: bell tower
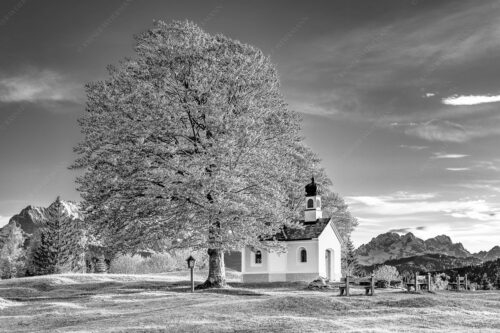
<point>313,203</point>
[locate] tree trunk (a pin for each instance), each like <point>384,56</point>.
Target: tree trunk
<point>216,270</point>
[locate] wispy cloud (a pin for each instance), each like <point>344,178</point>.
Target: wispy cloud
<point>391,205</point>
<point>458,169</point>
<point>470,100</point>
<point>399,196</point>
<point>39,86</point>
<point>439,130</point>
<point>413,147</point>
<point>407,230</point>
<point>488,165</point>
<point>440,155</point>
<point>474,186</point>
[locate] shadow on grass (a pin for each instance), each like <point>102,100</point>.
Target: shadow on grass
<point>288,286</point>
<point>33,291</point>
<point>45,291</point>
<point>233,291</point>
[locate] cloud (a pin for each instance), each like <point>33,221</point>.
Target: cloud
<point>390,205</point>
<point>488,165</point>
<point>39,86</point>
<point>470,100</point>
<point>405,196</point>
<point>413,147</point>
<point>457,169</point>
<point>323,104</point>
<point>444,155</point>
<point>473,186</point>
<point>396,196</point>
<point>407,230</point>
<point>397,74</point>
<point>439,130</point>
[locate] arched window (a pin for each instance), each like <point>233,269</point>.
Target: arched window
<point>310,203</point>
<point>258,257</point>
<point>303,255</point>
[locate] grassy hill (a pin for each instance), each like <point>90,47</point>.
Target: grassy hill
<point>161,303</point>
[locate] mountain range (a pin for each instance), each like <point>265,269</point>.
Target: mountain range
<point>31,218</point>
<point>393,246</point>
<point>389,248</point>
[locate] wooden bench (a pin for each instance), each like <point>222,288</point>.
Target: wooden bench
<point>420,282</point>
<point>461,281</point>
<point>367,282</point>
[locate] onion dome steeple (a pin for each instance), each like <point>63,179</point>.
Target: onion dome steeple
<point>313,203</point>
<point>311,188</point>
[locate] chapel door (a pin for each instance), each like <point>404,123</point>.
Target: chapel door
<point>328,264</point>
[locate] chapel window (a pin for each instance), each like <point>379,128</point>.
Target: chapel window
<point>303,255</point>
<point>258,257</point>
<point>310,203</point>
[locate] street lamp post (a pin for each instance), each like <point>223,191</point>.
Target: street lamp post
<point>190,262</point>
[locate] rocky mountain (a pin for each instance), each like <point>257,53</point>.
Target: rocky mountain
<point>31,218</point>
<point>492,254</point>
<point>395,246</point>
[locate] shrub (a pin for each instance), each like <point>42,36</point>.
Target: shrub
<point>157,263</point>
<point>12,254</point>
<point>386,273</point>
<point>126,264</point>
<point>474,286</point>
<point>440,281</point>
<point>486,283</point>
<point>396,283</point>
<point>382,284</point>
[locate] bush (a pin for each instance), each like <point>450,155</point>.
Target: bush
<point>157,263</point>
<point>382,284</point>
<point>12,254</point>
<point>385,274</point>
<point>396,283</point>
<point>488,286</point>
<point>486,283</point>
<point>474,286</point>
<point>126,264</point>
<point>440,281</point>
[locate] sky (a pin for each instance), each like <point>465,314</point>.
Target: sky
<point>400,98</point>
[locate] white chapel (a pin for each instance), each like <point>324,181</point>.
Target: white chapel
<point>311,251</point>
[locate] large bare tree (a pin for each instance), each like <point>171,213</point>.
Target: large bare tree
<point>190,144</point>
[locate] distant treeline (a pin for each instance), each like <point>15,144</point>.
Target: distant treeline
<point>425,263</point>
<point>486,272</point>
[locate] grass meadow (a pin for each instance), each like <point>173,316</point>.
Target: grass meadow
<point>163,303</point>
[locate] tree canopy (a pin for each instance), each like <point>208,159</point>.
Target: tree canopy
<point>190,144</point>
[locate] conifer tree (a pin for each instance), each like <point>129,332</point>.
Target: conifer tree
<point>190,145</point>
<point>39,261</point>
<point>349,259</point>
<point>59,244</point>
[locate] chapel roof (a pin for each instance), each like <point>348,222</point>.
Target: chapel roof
<point>309,231</point>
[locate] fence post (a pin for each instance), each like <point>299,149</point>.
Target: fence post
<point>417,286</point>
<point>372,284</point>
<point>466,282</point>
<point>458,282</point>
<point>429,281</point>
<point>347,285</point>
